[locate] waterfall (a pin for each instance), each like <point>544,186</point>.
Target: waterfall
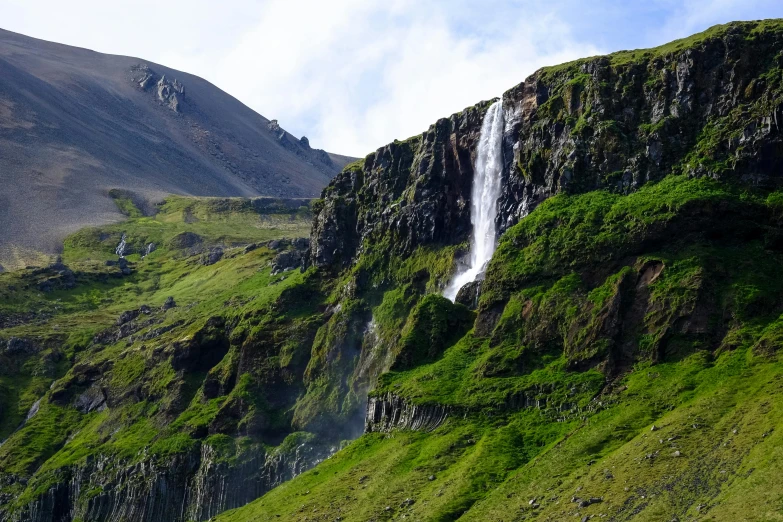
<point>484,199</point>
<point>120,250</point>
<point>33,410</point>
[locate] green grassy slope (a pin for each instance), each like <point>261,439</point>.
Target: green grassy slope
<point>64,323</point>
<point>602,316</point>
<point>723,416</point>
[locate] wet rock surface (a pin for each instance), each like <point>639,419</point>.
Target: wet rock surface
<point>469,295</point>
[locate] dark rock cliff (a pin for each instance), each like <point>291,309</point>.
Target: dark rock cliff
<point>409,193</point>
<point>710,105</point>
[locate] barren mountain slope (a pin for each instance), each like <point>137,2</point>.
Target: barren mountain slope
<point>75,124</point>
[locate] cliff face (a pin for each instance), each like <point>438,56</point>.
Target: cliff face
<point>411,193</point>
<point>704,106</point>
<point>191,486</point>
<point>709,105</point>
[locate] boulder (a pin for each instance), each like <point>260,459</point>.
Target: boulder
<point>185,240</point>
<point>212,256</point>
<point>19,346</point>
<point>127,316</point>
<point>469,295</point>
<point>287,260</point>
<point>93,399</point>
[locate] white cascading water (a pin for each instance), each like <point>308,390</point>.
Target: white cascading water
<point>484,199</point>
<point>120,250</point>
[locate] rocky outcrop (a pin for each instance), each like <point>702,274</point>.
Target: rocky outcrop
<point>19,346</point>
<point>299,146</point>
<point>169,93</point>
<point>389,412</point>
<point>211,256</point>
<point>186,240</point>
<point>710,108</point>
<point>192,486</point>
<point>168,304</point>
<point>292,254</point>
<point>274,127</point>
<point>56,276</point>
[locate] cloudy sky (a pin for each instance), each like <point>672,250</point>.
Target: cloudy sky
<point>353,75</point>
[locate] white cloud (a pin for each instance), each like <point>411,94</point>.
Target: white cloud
<point>356,74</point>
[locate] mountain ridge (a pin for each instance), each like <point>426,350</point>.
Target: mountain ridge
<point>77,123</point>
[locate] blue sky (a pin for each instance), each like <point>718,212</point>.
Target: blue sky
<point>353,75</point>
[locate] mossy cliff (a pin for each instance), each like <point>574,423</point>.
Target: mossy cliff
<point>622,358</point>
<point>626,340</point>
<point>156,386</point>
<point>710,105</point>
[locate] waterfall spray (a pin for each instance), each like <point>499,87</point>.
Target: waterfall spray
<point>484,199</point>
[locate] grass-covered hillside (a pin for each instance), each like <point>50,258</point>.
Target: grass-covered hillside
<point>625,364</point>
<point>105,357</point>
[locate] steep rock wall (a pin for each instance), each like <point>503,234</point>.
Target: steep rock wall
<point>193,486</point>
<point>711,105</point>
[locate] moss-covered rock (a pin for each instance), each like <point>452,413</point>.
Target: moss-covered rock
<point>434,324</point>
